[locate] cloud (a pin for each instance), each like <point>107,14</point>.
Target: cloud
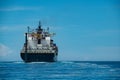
<point>12,28</point>
<point>107,49</point>
<point>8,54</point>
<point>4,50</point>
<point>101,33</point>
<point>18,8</point>
<point>24,28</point>
<point>101,53</point>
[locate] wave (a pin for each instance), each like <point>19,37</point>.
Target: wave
<point>18,62</point>
<point>28,63</point>
<point>37,62</point>
<point>67,62</point>
<point>112,70</point>
<point>104,66</point>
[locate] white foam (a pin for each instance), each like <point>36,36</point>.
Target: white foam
<point>112,70</point>
<point>67,62</point>
<point>104,66</point>
<point>18,62</point>
<point>39,62</point>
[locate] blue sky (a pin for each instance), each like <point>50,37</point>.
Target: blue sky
<point>85,29</point>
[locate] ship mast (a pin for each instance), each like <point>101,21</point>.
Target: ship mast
<point>28,29</point>
<point>39,32</point>
<point>39,26</point>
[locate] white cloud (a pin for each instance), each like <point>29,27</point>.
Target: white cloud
<point>7,54</point>
<point>12,28</point>
<point>100,33</point>
<point>19,8</point>
<point>107,49</point>
<point>4,50</point>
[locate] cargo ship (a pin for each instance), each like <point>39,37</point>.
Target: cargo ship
<point>39,46</point>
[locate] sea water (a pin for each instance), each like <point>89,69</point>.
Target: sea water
<point>61,70</point>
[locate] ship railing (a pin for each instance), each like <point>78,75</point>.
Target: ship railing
<point>38,51</point>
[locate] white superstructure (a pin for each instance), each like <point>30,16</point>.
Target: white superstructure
<point>40,41</point>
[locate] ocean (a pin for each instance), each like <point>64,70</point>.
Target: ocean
<point>61,70</point>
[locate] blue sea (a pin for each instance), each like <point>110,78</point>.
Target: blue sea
<point>61,70</point>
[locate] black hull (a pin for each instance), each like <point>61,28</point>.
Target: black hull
<point>39,57</point>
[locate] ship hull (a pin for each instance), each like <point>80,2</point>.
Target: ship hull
<point>39,57</point>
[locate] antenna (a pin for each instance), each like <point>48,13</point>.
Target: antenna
<point>47,29</point>
<point>28,29</point>
<point>39,26</point>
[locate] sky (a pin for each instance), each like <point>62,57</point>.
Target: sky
<point>86,30</point>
